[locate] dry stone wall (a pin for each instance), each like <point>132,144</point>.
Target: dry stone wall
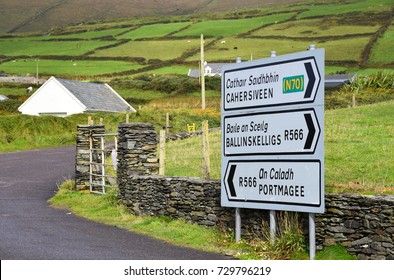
<point>82,160</point>
<point>362,224</point>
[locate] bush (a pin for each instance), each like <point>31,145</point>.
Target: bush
<point>289,239</point>
<point>10,105</point>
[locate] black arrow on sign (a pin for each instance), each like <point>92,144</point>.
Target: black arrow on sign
<point>311,79</point>
<point>311,133</point>
<point>230,180</point>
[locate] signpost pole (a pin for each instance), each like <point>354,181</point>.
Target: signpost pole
<point>237,224</point>
<point>312,225</point>
<point>272,212</point>
<point>238,210</point>
<point>312,236</point>
<point>202,73</point>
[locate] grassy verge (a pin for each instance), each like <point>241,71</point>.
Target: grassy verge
<point>105,209</point>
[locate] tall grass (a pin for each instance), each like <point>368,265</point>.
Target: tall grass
<point>289,239</point>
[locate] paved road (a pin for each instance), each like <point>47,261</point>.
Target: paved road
<point>31,229</point>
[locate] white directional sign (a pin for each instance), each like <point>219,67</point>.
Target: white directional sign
<point>289,132</point>
<point>271,84</point>
<point>273,133</point>
<point>273,181</point>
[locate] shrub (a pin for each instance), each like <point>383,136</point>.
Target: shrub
<point>10,105</point>
<point>289,239</point>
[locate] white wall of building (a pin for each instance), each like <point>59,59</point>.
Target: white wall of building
<point>52,99</point>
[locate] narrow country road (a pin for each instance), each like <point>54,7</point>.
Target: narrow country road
<point>32,230</point>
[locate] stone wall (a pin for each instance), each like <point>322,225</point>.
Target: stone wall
<point>137,152</point>
<point>82,159</point>
<point>192,199</point>
<point>362,224</point>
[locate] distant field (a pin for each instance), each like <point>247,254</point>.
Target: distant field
<point>344,49</point>
<point>44,15</point>
<point>177,69</point>
<point>158,49</point>
<point>382,52</point>
<point>313,28</point>
<point>231,27</point>
<point>91,34</point>
<point>154,30</point>
<point>349,32</point>
<point>348,7</point>
<point>68,67</point>
<point>28,47</point>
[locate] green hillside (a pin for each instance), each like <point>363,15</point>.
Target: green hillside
<point>357,37</point>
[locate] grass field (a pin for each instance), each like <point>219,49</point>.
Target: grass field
<point>359,145</point>
<point>348,7</point>
<point>335,50</point>
<point>154,30</point>
<point>91,34</point>
<point>345,30</point>
<point>358,150</point>
<point>224,28</point>
<point>381,52</point>
<point>27,47</point>
<point>158,49</point>
<point>66,67</point>
<point>311,28</point>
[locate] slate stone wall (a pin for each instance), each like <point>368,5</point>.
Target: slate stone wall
<point>362,224</point>
<point>137,152</point>
<point>82,158</point>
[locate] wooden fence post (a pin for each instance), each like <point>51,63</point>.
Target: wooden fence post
<point>206,151</point>
<point>90,121</point>
<point>162,156</point>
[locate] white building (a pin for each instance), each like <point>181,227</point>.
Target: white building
<point>60,97</point>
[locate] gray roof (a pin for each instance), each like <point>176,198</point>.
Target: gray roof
<point>216,70</point>
<point>337,80</point>
<point>96,96</point>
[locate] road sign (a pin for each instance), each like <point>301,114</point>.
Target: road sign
<point>272,82</point>
<point>273,183</point>
<point>272,133</point>
<point>285,132</point>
